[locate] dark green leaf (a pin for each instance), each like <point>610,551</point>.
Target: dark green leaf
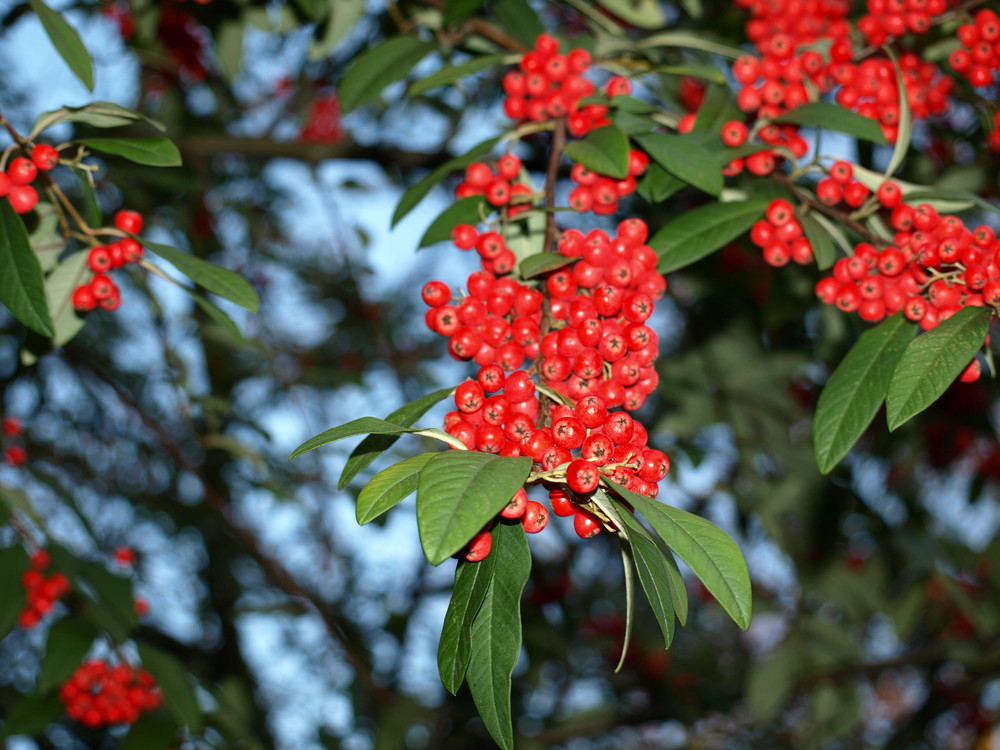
<point>219,316</point>
<point>771,680</point>
<point>389,487</point>
<point>956,196</point>
<point>856,389</point>
<point>689,40</point>
<point>496,633</point>
<point>91,210</point>
<point>216,279</point>
<point>66,41</point>
<point>115,596</point>
<point>13,564</point>
<point>178,694</point>
<point>472,581</point>
<point>932,361</point>
<point>315,10</point>
<point>458,10</point>
<point>651,566</point>
<point>153,152</point>
<point>451,73</point>
<point>95,114</point>
<point>519,19</point>
<point>717,108</point>
<point>465,211</point>
<point>68,642</point>
<point>415,194</point>
<point>702,231</point>
<point>657,184</point>
<point>379,66</point>
<point>31,713</point>
<point>361,426</point>
<point>374,445</point>
<point>154,730</point>
<point>631,123</point>
<point>604,150</point>
<point>539,263</point>
<point>685,158</point>
<point>22,289</point>
<point>834,117</point>
<point>821,241</point>
<point>646,14</point>
<point>458,492</point>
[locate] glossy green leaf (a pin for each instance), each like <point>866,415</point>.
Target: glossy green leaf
<point>472,581</point>
<point>31,713</point>
<point>604,150</point>
<point>657,184</point>
<point>458,492</point>
<point>449,74</point>
<point>535,265</point>
<point>932,361</point>
<point>360,426</point>
<point>702,231</point>
<point>685,158</point>
<point>377,67</point>
<point>717,108</point>
<point>834,117</point>
<point>710,552</point>
<point>66,41</point>
<point>688,40</point>
<point>13,564</point>
<point>905,131</point>
<point>389,487</point>
<point>822,243</point>
<point>855,391</point>
<point>22,288</point>
<point>496,633</point>
<point>465,211</point>
<point>178,693</point>
<point>646,14</point>
<point>418,192</point>
<point>96,115</point>
<point>519,19</point>
<point>374,445</point>
<point>651,567</point>
<point>216,279</point>
<point>153,152</point>
<point>68,642</point>
<point>314,10</point>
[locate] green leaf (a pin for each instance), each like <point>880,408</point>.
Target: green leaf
<point>345,16</point>
<point>91,210</point>
<point>685,158</point>
<point>834,117</point>
<point>451,73</point>
<point>13,564</point>
<point>172,677</point>
<point>852,396</point>
<point>932,361</point>
<point>953,200</point>
<point>314,10</point>
<point>360,426</point>
<point>702,231</point>
<point>31,713</point>
<point>458,10</point>
<point>717,108</point>
<point>219,316</point>
<point>687,40</point>
<point>66,41</point>
<point>710,553</point>
<point>604,150</point>
<point>418,192</point>
<point>646,14</point>
<point>153,152</point>
<point>651,566</point>
<point>389,487</point>
<point>96,115</point>
<point>229,48</point>
<point>22,289</point>
<point>379,66</point>
<point>216,279</point>
<point>69,640</point>
<point>465,211</point>
<point>905,131</point>
<point>458,492</point>
<point>59,288</point>
<point>472,581</point>
<point>374,445</point>
<point>821,241</point>
<point>154,730</point>
<point>114,596</point>
<point>539,263</point>
<point>496,633</point>
<point>519,19</point>
<point>657,184</point>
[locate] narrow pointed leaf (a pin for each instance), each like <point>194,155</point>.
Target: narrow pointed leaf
<point>822,243</point>
<point>68,642</point>
<point>22,289</point>
<point>539,263</point>
<point>932,361</point>
<point>458,492</point>
<point>653,575</point>
<point>379,66</point>
<point>360,426</point>
<point>604,150</point>
<point>834,117</point>
<point>472,582</point>
<point>449,74</point>
<point>66,41</point>
<point>13,564</point>
<point>97,115</point>
<point>702,231</point>
<point>216,279</point>
<point>178,693</point>
<point>496,633</point>
<point>465,211</point>
<point>646,14</point>
<point>387,488</point>
<point>685,158</point>
<point>153,152</point>
<point>519,19</point>
<point>852,396</point>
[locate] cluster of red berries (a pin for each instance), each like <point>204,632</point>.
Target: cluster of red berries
<point>549,84</point>
<point>795,22</point>
<point>935,267</point>
<point>894,18</point>
<point>99,694</point>
<point>600,193</point>
<point>322,124</point>
<point>14,454</point>
<point>500,187</point>
<point>761,163</point>
<point>100,290</point>
<point>15,183</point>
<point>779,234</point>
<point>43,592</point>
<point>840,186</point>
<point>979,58</point>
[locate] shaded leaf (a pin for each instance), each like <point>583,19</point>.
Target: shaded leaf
<point>603,150</point>
<point>178,694</point>
<point>389,487</point>
<point>465,211</point>
<point>905,129</point>
<point>153,152</point>
<point>22,288</point>
<point>154,730</point>
<point>31,713</point>
<point>472,581</point>
<point>95,114</point>
<point>770,681</point>
<point>688,40</point>
<point>519,19</point>
<point>539,263</point>
<point>657,184</point>
<point>377,67</point>
<point>216,279</point>
<point>66,41</point>
<point>821,241</point>
<point>451,73</point>
<point>13,564</point>
<point>653,575</point>
<point>360,426</point>
<point>685,158</point>
<point>834,117</point>
<point>702,231</point>
<point>646,14</point>
<point>68,642</point>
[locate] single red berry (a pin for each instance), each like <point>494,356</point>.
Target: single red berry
<point>434,293</point>
<point>509,167</point>
<point>22,171</point>
<point>44,156</point>
<point>16,455</point>
<point>535,517</point>
<point>464,236</point>
<point>734,133</point>
<point>23,198</point>
<point>99,259</point>
<point>582,476</point>
<point>586,524</point>
<point>479,547</point>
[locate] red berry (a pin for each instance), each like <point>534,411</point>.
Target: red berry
<point>586,524</point>
<point>434,293</point>
<point>517,505</point>
<point>479,547</point>
<point>44,156</point>
<point>22,171</point>
<point>582,476</point>
<point>23,198</point>
<point>464,236</point>
<point>535,517</point>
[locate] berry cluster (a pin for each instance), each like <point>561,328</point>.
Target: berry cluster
<point>14,454</point>
<point>99,694</point>
<point>779,234</point>
<point>894,18</point>
<point>499,187</point>
<point>43,592</point>
<point>100,290</point>
<point>840,186</point>
<point>15,183</point>
<point>549,84</point>
<point>775,24</point>
<point>322,124</point>
<point>979,57</point>
<point>600,193</point>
